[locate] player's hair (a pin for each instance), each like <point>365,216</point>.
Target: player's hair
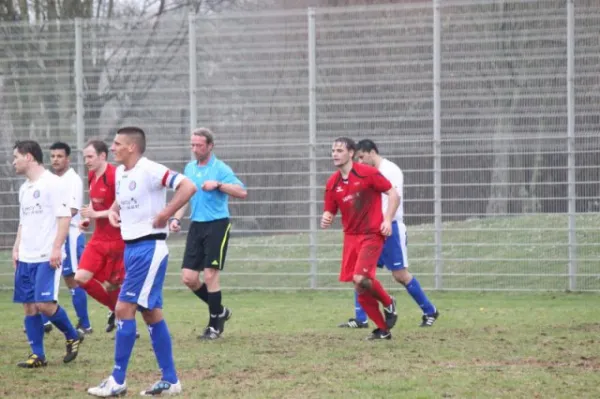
<point>206,133</point>
<point>137,134</point>
<point>31,147</point>
<point>367,145</point>
<point>99,145</point>
<point>59,145</point>
<point>348,142</point>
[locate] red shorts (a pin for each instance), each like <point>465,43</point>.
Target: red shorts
<point>360,255</point>
<point>105,260</point>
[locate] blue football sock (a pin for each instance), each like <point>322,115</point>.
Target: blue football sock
<point>62,322</point>
<point>163,349</point>
<point>79,298</point>
<point>124,342</point>
<point>359,313</point>
<point>35,334</point>
<point>417,293</point>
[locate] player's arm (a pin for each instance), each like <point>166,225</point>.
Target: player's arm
<point>15,252</point>
<point>184,190</point>
<point>228,183</point>
<point>330,208</point>
<point>175,221</point>
<point>62,211</point>
<point>383,185</point>
<point>393,204</point>
<point>114,216</point>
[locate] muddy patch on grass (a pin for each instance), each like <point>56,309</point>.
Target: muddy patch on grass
<point>583,362</point>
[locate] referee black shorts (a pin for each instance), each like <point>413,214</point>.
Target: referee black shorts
<point>206,245</point>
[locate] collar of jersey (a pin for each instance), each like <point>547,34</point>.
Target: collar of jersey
<point>211,162</point>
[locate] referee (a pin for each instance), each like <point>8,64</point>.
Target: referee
<point>208,236</point>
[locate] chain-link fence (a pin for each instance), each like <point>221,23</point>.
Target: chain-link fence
<point>490,109</point>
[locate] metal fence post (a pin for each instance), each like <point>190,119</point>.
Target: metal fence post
<point>571,178</point>
<point>437,148</point>
<point>79,107</point>
<point>312,143</point>
<point>193,70</point>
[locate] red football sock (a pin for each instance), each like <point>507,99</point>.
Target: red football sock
<point>114,297</point>
<point>97,291</point>
<point>380,293</point>
<point>371,308</point>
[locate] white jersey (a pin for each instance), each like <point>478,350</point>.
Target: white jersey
<point>40,203</point>
<point>74,186</point>
<point>141,195</point>
<point>394,174</point>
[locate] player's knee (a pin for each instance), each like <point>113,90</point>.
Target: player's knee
<point>82,278</point>
<point>46,308</point>
<point>125,310</point>
<point>402,276</point>
<point>364,283</point>
<point>70,282</point>
<point>152,316</point>
<point>191,280</point>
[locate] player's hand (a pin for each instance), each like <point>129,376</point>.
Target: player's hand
<point>160,220</point>
<point>326,220</point>
<point>175,225</point>
<point>114,219</point>
<point>84,224</point>
<point>55,258</point>
<point>210,185</point>
<point>386,228</point>
<point>15,257</point>
<point>88,212</point>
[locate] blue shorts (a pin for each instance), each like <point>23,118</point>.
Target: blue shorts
<point>36,282</point>
<point>73,248</point>
<point>145,270</point>
<point>393,255</point>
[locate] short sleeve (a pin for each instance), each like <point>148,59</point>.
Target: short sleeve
<point>379,183</point>
<point>161,176</point>
<point>60,198</point>
<point>76,192</point>
<point>226,176</point>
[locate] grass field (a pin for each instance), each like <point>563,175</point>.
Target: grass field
<point>285,345</point>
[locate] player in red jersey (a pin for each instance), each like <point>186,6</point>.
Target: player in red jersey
<point>101,269</point>
<point>355,190</point>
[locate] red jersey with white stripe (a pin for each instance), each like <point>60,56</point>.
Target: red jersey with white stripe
<point>358,198</point>
<point>102,196</point>
<point>141,195</point>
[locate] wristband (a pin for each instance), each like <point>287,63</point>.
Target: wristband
<point>171,219</point>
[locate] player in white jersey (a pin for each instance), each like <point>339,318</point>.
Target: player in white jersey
<point>38,253</point>
<point>75,243</point>
<point>142,213</point>
<point>394,254</point>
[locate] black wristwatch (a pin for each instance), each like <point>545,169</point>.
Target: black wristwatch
<point>219,184</point>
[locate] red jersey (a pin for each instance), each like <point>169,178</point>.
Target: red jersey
<point>102,196</point>
<point>358,198</point>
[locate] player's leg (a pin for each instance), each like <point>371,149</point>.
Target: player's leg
<point>47,281</point>
<point>137,259</point>
<point>34,327</point>
<point>193,259</point>
<point>397,262</point>
<point>360,319</point>
<point>74,248</point>
<point>369,289</point>
<point>112,276</point>
<point>91,274</point>
<point>216,243</point>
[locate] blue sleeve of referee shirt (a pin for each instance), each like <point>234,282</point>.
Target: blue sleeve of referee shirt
<point>228,177</point>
